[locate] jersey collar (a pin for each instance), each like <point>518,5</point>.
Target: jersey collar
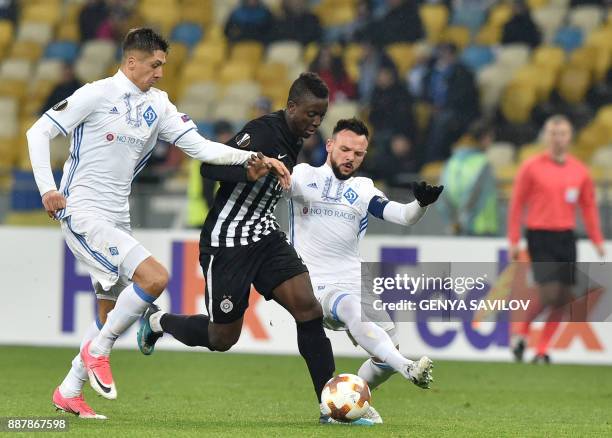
<point>124,82</point>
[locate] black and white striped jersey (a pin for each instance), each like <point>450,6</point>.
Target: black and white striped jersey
<point>243,212</point>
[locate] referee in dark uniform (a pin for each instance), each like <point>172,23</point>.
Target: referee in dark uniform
<point>241,243</point>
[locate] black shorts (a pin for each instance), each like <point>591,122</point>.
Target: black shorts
<point>230,272</point>
<point>553,255</point>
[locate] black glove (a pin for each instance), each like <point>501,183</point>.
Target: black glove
<point>426,194</point>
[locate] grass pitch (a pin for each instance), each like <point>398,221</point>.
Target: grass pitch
<point>214,394</point>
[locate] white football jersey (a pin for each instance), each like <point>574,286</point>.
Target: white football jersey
<point>327,219</point>
<point>114,127</point>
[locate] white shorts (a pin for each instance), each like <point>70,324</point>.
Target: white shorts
<point>329,295</point>
<point>107,250</point>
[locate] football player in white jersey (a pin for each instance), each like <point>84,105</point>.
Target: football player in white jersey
<point>328,216</point>
<point>115,124</point>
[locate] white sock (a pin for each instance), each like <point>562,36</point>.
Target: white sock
<point>375,373</point>
<point>154,321</point>
<point>131,303</point>
<point>72,386</point>
<point>368,334</point>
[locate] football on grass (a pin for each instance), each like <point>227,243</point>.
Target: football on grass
<point>345,397</point>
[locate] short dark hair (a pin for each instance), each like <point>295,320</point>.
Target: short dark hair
<point>353,124</point>
<point>144,39</point>
<point>480,129</point>
<point>308,83</point>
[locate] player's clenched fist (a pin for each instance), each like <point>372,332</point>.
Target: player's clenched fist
<point>426,194</point>
<point>53,201</point>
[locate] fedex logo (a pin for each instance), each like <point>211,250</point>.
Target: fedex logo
<point>185,288</point>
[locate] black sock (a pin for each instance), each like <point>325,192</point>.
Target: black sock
<point>316,350</point>
<point>191,330</point>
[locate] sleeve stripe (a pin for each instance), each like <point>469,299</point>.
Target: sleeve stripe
<point>57,124</point>
<point>180,136</point>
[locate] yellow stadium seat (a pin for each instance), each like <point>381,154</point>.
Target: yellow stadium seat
<point>500,14</point>
<point>36,218</point>
<point>505,178</point>
<point>16,88</point>
<point>529,150</point>
<point>236,71</point>
<point>9,151</point>
<point>178,54</point>
<point>604,116</point>
<point>352,53</point>
<point>431,172</point>
<point>214,32</point>
<point>434,18</point>
<point>310,53</point>
<point>458,35</point>
<point>200,12</point>
<point>247,51</point>
<point>402,54</point>
<point>549,56</point>
<point>287,52</point>
<point>573,84</point>
<point>43,12</point>
<point>271,72</point>
<point>517,102</point>
<point>336,15</point>
<point>209,52</point>
<point>592,137</point>
<point>542,77</point>
<point>277,93</point>
<point>6,34</point>
<point>593,58</point>
<point>422,115</point>
<point>489,35</point>
<point>164,14</point>
<point>29,50</point>
<point>536,4</point>
<point>195,71</point>
<point>69,32</point>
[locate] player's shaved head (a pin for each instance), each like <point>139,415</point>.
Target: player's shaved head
<point>145,40</point>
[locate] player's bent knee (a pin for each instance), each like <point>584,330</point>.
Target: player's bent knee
<point>309,311</point>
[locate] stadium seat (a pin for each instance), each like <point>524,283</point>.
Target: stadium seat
<point>548,19</point>
<point>335,15</point>
<point>200,12</point>
<point>16,69</point>
<point>16,88</point>
<point>458,35</point>
<point>195,71</point>
<point>604,116</point>
<point>310,53</point>
<point>517,102</point>
<point>6,35</point>
<point>513,56</point>
<point>197,110</point>
<point>500,14</point>
<point>67,51</point>
<point>38,32</point>
<point>44,12</point>
<point>271,72</point>
<point>491,82</point>
<point>536,4</point>
<point>488,35</point>
<point>231,110</point>
<point>29,50</point>
<point>287,52</point>
<point>602,157</point>
<point>505,177</point>
<point>212,53</point>
<point>549,56</point>
<point>236,71</point>
<point>164,14</point>
<point>573,84</point>
<point>187,33</point>
<point>276,92</point>
<point>247,51</point>
<point>98,51</point>
<point>431,172</point>
<point>569,38</point>
<point>587,18</point>
<point>245,92</point>
<point>542,77</point>
<point>337,111</point>
<point>529,150</point>
<point>595,59</point>
<point>8,128</point>
<point>435,19</point>
<point>8,106</point>
<point>476,57</point>
<point>472,18</point>
<point>500,154</point>
<point>69,32</point>
<point>87,71</point>
<point>204,91</point>
<point>402,55</point>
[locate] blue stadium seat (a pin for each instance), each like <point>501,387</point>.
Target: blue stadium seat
<point>206,129</point>
<point>64,50</point>
<point>472,18</point>
<point>569,38</point>
<point>24,193</point>
<point>187,33</point>
<point>476,57</point>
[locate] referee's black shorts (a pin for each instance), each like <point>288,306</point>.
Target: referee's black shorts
<point>230,272</point>
<point>553,256</point>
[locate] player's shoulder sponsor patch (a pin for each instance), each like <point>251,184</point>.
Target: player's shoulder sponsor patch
<point>60,105</point>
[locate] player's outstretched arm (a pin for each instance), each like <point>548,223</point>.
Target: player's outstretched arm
<point>39,136</point>
<point>256,167</point>
<point>406,214</point>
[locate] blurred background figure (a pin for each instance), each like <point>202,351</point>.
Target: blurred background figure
<point>313,151</point>
<point>469,201</point>
<point>297,23</point>
<point>549,187</point>
<point>93,15</point>
<point>331,69</point>
<point>394,164</point>
<point>449,86</point>
<point>521,28</point>
<point>390,109</point>
<point>371,61</point>
<point>401,23</point>
<point>251,20</point>
<point>64,89</point>
<point>9,10</point>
